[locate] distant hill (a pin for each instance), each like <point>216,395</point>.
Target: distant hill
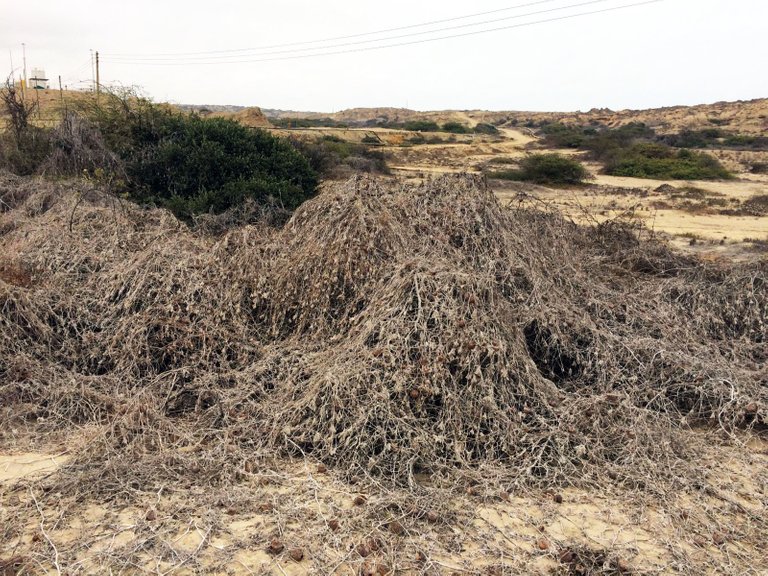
<point>745,117</point>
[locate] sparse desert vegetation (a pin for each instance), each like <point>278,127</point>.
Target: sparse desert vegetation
<point>367,345</point>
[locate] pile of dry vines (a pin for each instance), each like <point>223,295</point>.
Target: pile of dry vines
<point>385,330</point>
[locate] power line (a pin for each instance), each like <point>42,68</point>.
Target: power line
<point>385,46</point>
<point>347,37</point>
<point>359,42</point>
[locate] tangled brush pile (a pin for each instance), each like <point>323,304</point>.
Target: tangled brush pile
<point>385,329</point>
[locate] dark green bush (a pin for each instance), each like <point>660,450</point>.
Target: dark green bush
<point>306,123</point>
<point>192,165</point>
<point>419,126</point>
<point>456,128</point>
<point>546,169</point>
<point>483,128</point>
<point>693,138</point>
<point>600,142</point>
<point>659,161</point>
<point>745,141</point>
<point>561,136</point>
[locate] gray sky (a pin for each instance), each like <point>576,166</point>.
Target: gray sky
<point>660,54</point>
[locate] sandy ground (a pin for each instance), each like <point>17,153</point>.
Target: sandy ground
<point>294,518</point>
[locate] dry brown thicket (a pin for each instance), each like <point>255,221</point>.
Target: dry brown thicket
<point>386,330</point>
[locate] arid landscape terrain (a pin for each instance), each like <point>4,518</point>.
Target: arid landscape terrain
<point>429,367</point>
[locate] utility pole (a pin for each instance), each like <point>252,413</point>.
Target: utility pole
<point>98,84</point>
<point>61,91</point>
<point>93,75</point>
<point>24,57</point>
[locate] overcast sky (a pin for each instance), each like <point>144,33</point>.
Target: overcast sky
<point>197,52</point>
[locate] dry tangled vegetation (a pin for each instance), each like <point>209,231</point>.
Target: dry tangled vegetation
<point>420,343</point>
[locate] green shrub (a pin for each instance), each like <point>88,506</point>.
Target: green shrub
<point>745,141</point>
<point>419,126</point>
<point>306,123</point>
<point>456,128</point>
<point>599,142</point>
<point>192,165</point>
<point>546,169</point>
<point>327,154</point>
<point>659,161</point>
<point>484,128</point>
<point>693,138</point>
<point>558,135</point>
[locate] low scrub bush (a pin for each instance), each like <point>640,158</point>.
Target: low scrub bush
<point>484,128</point>
<point>194,165</point>
<point>329,155</point>
<point>23,146</point>
<point>456,128</point>
<point>546,169</point>
<point>714,138</point>
<point>420,126</point>
<point>306,123</point>
<point>658,161</point>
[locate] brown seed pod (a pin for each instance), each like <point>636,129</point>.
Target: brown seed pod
<point>432,516</point>
<point>322,469</point>
<point>396,528</point>
<point>382,569</point>
<point>297,554</point>
<point>558,498</point>
<point>567,556</point>
<point>542,544</point>
<point>751,409</point>
<point>622,565</point>
<point>275,546</point>
<point>150,515</point>
<point>374,544</point>
<point>333,524</point>
<point>414,394</point>
<point>359,500</point>
<point>363,550</point>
